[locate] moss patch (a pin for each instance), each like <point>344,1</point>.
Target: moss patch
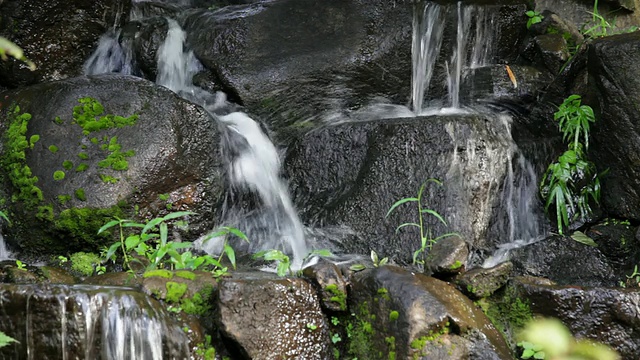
<point>84,263</point>
<point>337,296</point>
<point>166,274</point>
<point>185,274</point>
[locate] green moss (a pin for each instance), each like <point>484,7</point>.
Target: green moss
<point>158,273</point>
<point>337,296</point>
<point>94,140</point>
<point>507,311</point>
<point>199,304</point>
<point>45,212</point>
<point>108,179</point>
<point>84,263</point>
<point>67,165</point>
<point>58,120</point>
<point>175,291</point>
<point>391,345</point>
<point>455,266</point>
<point>189,275</point>
<point>88,116</point>
<point>58,175</point>
<point>53,149</point>
<point>33,140</point>
<point>393,315</point>
<point>83,155</point>
<point>79,226</point>
<point>80,195</point>
<point>63,199</point>
<point>82,167</point>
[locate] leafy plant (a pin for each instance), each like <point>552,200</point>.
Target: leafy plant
<point>9,48</point>
<point>572,181</point>
<point>283,262</point>
<point>531,350</point>
<point>6,340</point>
<point>534,18</point>
<point>426,238</point>
<point>20,265</point>
<point>601,26</point>
<point>633,279</point>
<point>377,262</point>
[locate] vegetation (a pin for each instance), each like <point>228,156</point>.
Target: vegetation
<point>85,263</point>
<point>534,18</point>
<point>283,263</point>
<point>9,48</point>
<point>426,237</point>
<point>6,340</point>
<point>572,182</point>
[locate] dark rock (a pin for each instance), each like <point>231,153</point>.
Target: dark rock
<point>555,258</point>
<point>480,283</point>
<point>617,241</point>
<point>605,315</point>
<point>331,285</point>
<point>417,311</point>
<point>267,317</point>
<point>55,321</point>
<point>57,276</point>
<point>115,279</point>
<point>447,256</point>
<point>351,174</point>
<point>553,51</point>
<point>615,75</point>
<point>324,59</point>
<point>579,12</point>
<point>56,35</point>
<point>554,24</point>
<point>175,152</point>
<point>147,38</point>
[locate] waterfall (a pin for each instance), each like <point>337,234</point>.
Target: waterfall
<point>5,254</point>
<point>428,27</point>
<point>111,56</point>
<point>459,55</point>
<point>255,163</point>
<point>89,322</point>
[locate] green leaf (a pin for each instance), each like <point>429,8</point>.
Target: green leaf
<point>321,253</point>
<point>164,233</point>
<point>112,250</point>
<point>400,202</point>
<point>539,355</point>
<point>6,340</point>
<point>238,233</point>
<point>231,254</point>
<point>407,224</point>
<point>582,238</point>
<point>108,225</point>
<point>527,353</point>
<point>131,242</point>
<point>384,261</point>
<point>282,268</point>
<point>9,48</point>
<point>357,267</point>
<point>151,224</point>
<point>374,257</point>
<point>176,214</point>
<point>435,214</point>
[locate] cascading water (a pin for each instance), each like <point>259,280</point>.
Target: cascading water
<point>87,322</point>
<point>255,165</point>
<point>5,254</point>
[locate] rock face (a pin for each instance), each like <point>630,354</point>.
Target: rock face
<point>615,77</point>
<point>272,318</point>
<point>77,322</point>
<point>56,35</point>
<point>173,148</point>
<point>351,174</point>
<point>606,315</point>
<point>415,316</point>
<point>480,282</point>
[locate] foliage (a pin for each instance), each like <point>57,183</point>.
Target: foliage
<point>282,260</point>
<point>633,279</point>
<point>20,265</point>
<point>601,27</point>
<point>377,262</point>
<point>84,263</point>
<point>9,48</point>
<point>550,339</point>
<point>5,340</point>
<point>572,181</point>
<point>534,18</point>
<point>426,238</point>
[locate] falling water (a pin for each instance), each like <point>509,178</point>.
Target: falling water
<point>5,254</point>
<point>428,27</point>
<point>111,56</point>
<point>458,58</point>
<point>486,31</point>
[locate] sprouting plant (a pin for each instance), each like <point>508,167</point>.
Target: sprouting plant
<point>62,259</point>
<point>534,18</point>
<point>426,238</point>
<point>601,27</point>
<point>572,181</point>
<point>634,278</point>
<point>531,351</point>
<point>20,265</point>
<point>227,249</point>
<point>283,263</point>
<point>377,262</point>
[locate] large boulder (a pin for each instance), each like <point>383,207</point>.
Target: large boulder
<point>87,322</point>
<point>351,174</point>
<point>615,76</point>
<point>56,35</point>
<point>324,59</point>
<point>606,315</point>
<point>81,180</point>
<point>403,315</point>
<point>272,318</point>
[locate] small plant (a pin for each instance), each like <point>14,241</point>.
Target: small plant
<point>534,18</point>
<point>378,262</point>
<point>426,238</point>
<point>20,265</point>
<point>311,326</point>
<point>6,340</point>
<point>531,350</point>
<point>572,181</point>
<point>633,279</point>
<point>283,263</point>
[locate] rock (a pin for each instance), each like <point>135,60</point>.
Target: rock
<point>115,279</point>
<point>388,160</point>
<point>552,50</point>
<point>56,35</point>
<point>616,240</point>
<point>480,282</point>
<point>605,315</point>
<point>330,284</point>
<point>324,59</point>
<point>58,321</point>
<point>615,76</point>
<point>174,148</point>
<point>447,256</point>
<point>190,290</point>
<point>554,24</point>
<point>146,36</point>
<point>555,258</point>
<point>269,318</point>
<point>404,315</point>
<point>57,276</point>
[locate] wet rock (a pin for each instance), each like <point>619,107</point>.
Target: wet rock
<point>555,258</point>
<point>554,24</point>
<point>172,149</point>
<point>447,256</point>
<point>616,239</point>
<point>115,279</point>
<point>57,276</point>
<point>552,50</point>
<point>146,38</point>
<point>56,321</point>
<point>480,283</point>
<point>56,35</point>
<point>615,75</point>
<point>606,315</point>
<point>405,315</point>
<point>267,317</point>
<point>331,285</point>
<point>388,160</point>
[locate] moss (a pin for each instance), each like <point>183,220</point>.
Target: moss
<point>393,315</point>
<point>82,167</point>
<point>175,291</point>
<point>58,175</point>
<point>80,195</point>
<point>88,116</point>
<point>33,140</point>
<point>94,140</point>
<point>45,213</point>
<point>158,273</point>
<point>83,156</point>
<point>63,199</point>
<point>53,149</point>
<point>419,343</point>
<point>84,263</point>
<point>189,275</point>
<point>337,296</point>
<point>108,179</point>
<point>58,120</point>
<point>67,165</point>
<point>455,266</point>
<point>80,226</point>
<point>200,303</point>
<point>360,331</point>
<point>507,311</point>
<point>391,345</point>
